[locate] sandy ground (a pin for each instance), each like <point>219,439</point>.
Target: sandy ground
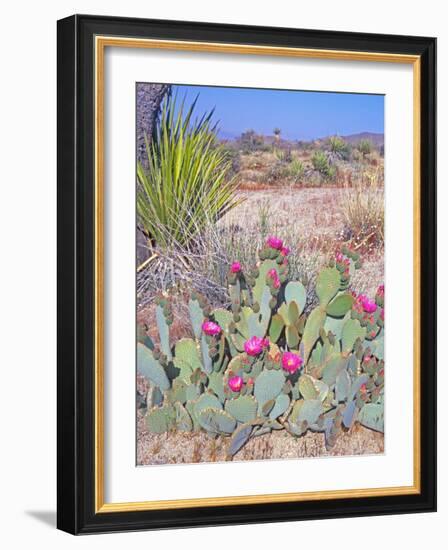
<point>193,447</point>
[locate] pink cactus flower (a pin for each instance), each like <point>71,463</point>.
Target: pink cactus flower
<point>380,290</point>
<point>254,346</point>
<point>285,251</point>
<point>363,388</point>
<point>250,382</point>
<point>382,315</point>
<point>210,328</point>
<point>272,274</point>
<point>235,383</point>
<point>274,242</point>
<point>291,362</point>
<point>367,358</point>
<point>265,342</point>
<point>235,267</point>
<point>339,257</point>
<point>369,306</point>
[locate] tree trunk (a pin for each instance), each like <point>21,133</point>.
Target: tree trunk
<point>149,99</point>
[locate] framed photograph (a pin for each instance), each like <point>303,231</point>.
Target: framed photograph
<point>246,274</point>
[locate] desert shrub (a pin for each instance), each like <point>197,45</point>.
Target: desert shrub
<point>296,170</point>
<point>263,364</point>
<point>363,214</point>
<point>250,141</point>
<point>186,183</point>
<point>321,164</point>
<point>339,148</point>
<point>278,172</point>
<point>365,146</point>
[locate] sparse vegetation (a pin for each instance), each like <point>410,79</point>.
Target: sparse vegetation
<point>186,184</point>
<point>208,206</point>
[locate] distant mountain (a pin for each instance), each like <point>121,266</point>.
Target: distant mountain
<point>376,139</point>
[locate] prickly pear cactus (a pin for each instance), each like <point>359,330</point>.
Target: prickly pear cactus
<point>269,363</point>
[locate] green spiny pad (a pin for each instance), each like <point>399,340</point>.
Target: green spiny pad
<point>292,337</point>
<point>254,326</point>
<point>154,397</point>
<point>280,407</point>
<point>178,391</point>
<point>340,305</point>
<point>307,388</point>
<point>239,438</point>
<point>276,327</point>
<point>351,331</point>
<point>311,333</point>
<point>243,408</point>
<point>206,401</point>
<point>160,419</point>
<point>260,281</point>
<point>372,416</point>
<point>316,355</point>
<point>334,325</point>
<point>164,332</point>
<point>377,346</point>
<point>143,337</point>
<point>296,292</point>
<point>353,363</point>
<point>310,411</point>
<point>216,384</point>
<point>267,407</point>
<point>206,359</point>
<point>343,383</point>
<point>187,357</point>
<point>268,385</point>
<point>335,365</point>
<point>293,313</point>
<point>216,421</point>
<point>196,317</point>
<point>151,368</point>
<point>327,284</point>
<point>294,414</point>
<point>183,419</point>
<point>310,388</point>
<point>238,341</point>
<point>192,392</point>
<point>349,415</point>
<point>223,318</point>
<point>236,365</point>
<point>189,406</point>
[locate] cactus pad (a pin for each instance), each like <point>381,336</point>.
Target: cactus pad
<point>151,368</point>
<point>243,408</point>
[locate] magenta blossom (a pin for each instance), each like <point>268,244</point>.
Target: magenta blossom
<point>291,362</point>
<point>235,267</point>
<point>369,306</point>
<point>254,346</point>
<point>285,251</point>
<point>210,328</point>
<point>272,274</point>
<point>235,383</point>
<point>274,242</point>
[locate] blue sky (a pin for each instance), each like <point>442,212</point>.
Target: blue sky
<point>300,115</point>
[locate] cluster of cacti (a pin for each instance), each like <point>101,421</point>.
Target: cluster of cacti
<point>268,363</point>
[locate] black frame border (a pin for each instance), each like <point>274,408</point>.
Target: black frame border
<point>75,272</point>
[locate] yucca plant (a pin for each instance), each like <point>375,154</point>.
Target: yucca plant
<point>186,183</point>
